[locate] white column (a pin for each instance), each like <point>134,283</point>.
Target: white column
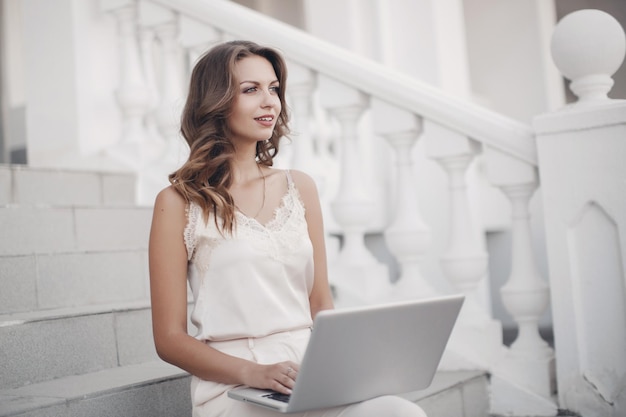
<point>168,64</point>
<point>528,366</point>
<point>352,207</point>
<point>133,93</point>
<point>302,84</point>
<point>407,236</point>
<point>581,153</point>
<point>154,147</point>
<point>171,92</point>
<point>477,338</point>
<point>525,295</point>
<point>465,261</point>
<point>357,274</point>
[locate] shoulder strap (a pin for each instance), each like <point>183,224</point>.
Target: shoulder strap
<point>289,179</point>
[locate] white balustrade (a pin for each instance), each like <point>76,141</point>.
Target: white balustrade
<point>465,260</point>
<point>525,295</point>
<point>529,363</point>
<point>133,93</point>
<point>581,150</point>
<point>153,147</point>
<point>352,207</point>
<point>302,84</point>
<point>476,341</point>
<point>357,273</point>
<point>172,92</point>
<point>464,263</point>
<point>407,236</point>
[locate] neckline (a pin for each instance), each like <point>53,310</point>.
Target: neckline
<point>269,225</point>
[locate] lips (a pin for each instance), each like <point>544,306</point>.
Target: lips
<point>265,120</point>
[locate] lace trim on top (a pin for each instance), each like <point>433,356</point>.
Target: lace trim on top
<point>193,213</point>
<point>288,221</point>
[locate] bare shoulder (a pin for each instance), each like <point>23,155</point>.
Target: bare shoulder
<point>306,187</point>
<point>304,182</point>
<point>169,201</point>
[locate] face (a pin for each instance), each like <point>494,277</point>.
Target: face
<point>257,105</point>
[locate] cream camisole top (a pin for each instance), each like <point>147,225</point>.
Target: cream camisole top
<point>254,282</point>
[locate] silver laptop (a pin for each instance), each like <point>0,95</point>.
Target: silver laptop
<point>355,354</point>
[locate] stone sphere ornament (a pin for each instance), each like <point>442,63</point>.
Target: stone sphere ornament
<point>588,46</point>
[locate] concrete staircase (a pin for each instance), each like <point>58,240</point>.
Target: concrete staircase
<point>75,330</point>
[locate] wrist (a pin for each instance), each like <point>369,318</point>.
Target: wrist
<point>246,371</point>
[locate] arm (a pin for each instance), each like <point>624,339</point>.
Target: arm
<point>320,297</point>
<point>168,292</point>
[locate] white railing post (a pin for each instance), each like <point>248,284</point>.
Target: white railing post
<point>357,274</point>
<point>146,42</point>
<point>169,63</point>
<point>581,152</point>
<point>302,84</point>
<point>171,91</point>
<point>133,93</point>
<point>525,295</point>
<point>477,339</point>
<point>529,363</point>
<point>407,236</point>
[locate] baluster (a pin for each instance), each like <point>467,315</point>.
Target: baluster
<point>407,236</point>
<point>525,295</point>
<point>352,207</point>
<point>171,93</point>
<point>157,145</point>
<point>357,273</point>
<point>465,261</point>
<point>477,338</point>
<point>169,62</point>
<point>529,361</point>
<point>301,87</point>
<point>133,95</point>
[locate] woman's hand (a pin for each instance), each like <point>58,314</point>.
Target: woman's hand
<point>280,377</point>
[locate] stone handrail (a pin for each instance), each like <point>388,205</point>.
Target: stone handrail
<point>371,78</point>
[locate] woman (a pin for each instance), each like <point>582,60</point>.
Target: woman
<point>248,238</point>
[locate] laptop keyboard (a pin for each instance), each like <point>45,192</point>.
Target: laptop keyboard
<point>278,396</point>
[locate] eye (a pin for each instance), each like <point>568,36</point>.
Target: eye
<point>275,89</point>
<point>249,90</point>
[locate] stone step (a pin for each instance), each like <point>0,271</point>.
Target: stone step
<point>25,185</point>
<point>60,256</point>
<point>151,389</point>
<point>44,345</point>
<point>72,279</point>
<point>157,389</point>
<point>30,230</point>
<point>455,393</point>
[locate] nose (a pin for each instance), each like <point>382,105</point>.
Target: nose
<point>270,99</point>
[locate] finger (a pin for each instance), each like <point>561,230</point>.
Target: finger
<point>292,369</point>
<point>282,385</point>
<point>293,366</point>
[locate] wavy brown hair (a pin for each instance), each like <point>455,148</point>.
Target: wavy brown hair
<point>207,174</point>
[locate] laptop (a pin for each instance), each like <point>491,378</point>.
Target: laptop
<point>359,353</point>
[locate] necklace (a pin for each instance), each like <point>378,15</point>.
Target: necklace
<point>262,201</point>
